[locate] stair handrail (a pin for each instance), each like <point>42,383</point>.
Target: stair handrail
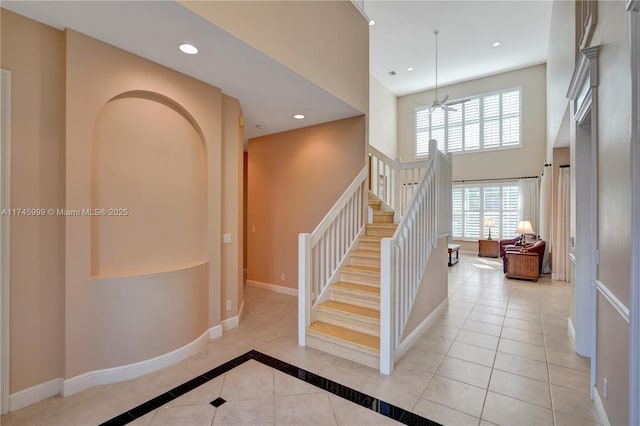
<point>404,256</point>
<point>394,181</point>
<point>321,252</point>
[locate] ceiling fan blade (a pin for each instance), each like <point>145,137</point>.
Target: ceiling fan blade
<point>447,108</point>
<point>459,101</point>
<point>444,101</point>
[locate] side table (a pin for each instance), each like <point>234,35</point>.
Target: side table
<point>488,248</point>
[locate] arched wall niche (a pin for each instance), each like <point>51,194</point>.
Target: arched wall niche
<point>148,187</point>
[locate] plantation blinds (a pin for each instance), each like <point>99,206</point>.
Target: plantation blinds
<point>472,205</point>
<point>489,121</point>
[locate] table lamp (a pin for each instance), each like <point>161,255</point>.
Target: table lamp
<point>524,227</point>
<point>489,223</point>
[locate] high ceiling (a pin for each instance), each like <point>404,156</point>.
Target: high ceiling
<point>271,94</point>
<point>402,37</point>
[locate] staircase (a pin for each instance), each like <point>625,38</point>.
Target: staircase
<point>348,324</point>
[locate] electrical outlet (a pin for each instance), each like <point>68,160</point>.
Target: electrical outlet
<point>226,238</point>
<point>606,389</point>
<point>253,229</point>
<point>281,277</point>
<point>228,305</point>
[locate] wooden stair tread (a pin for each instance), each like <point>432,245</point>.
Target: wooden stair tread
<point>382,225</point>
<point>357,287</point>
<point>351,309</point>
<point>367,270</point>
<point>371,238</point>
<point>344,334</point>
<point>366,253</point>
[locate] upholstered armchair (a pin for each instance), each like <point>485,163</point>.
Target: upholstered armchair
<point>537,247</point>
<point>510,243</point>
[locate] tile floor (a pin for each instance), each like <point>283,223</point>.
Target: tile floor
<point>500,354</point>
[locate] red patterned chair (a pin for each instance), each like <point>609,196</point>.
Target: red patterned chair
<point>537,247</point>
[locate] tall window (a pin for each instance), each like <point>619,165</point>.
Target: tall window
<point>473,204</point>
<point>485,122</point>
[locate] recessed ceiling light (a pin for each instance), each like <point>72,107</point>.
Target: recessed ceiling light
<point>372,22</point>
<point>410,69</point>
<point>298,116</point>
<point>496,44</point>
<point>189,49</point>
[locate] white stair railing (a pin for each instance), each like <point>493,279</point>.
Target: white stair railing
<point>395,181</point>
<point>321,252</point>
<point>404,257</point>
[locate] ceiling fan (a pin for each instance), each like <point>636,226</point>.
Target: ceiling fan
<point>442,104</point>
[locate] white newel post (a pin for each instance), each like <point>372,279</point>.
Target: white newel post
<point>396,194</point>
<point>304,287</point>
<point>386,306</point>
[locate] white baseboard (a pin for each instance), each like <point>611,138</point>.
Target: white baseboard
<point>34,394</point>
<point>84,381</point>
<point>131,371</point>
<point>272,287</point>
<point>230,323</point>
<point>406,344</point>
<point>241,310</point>
<point>600,411</point>
<point>572,332</point>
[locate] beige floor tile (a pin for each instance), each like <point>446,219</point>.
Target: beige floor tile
<point>522,366</point>
<point>285,385</point>
<point>455,312</point>
<point>532,309</point>
<point>443,415</point>
<point>391,393</point>
<point>527,316</point>
<point>482,317</point>
<point>417,359</point>
<point>439,345</point>
<point>248,412</point>
<point>559,343</point>
<point>453,394</point>
<point>569,378</point>
<point>503,410</point>
<point>498,303</point>
<point>449,321</point>
<point>349,414</point>
<point>478,339</point>
<point>195,415</point>
<point>458,304</point>
<point>522,388</point>
<point>532,337</point>
<point>472,353</point>
<point>526,350</point>
<point>203,394</point>
<point>573,403</point>
<point>556,331</point>
<point>569,360</point>
<point>465,371</point>
<point>144,420</point>
<point>482,327</point>
<point>441,330</point>
<point>410,380</point>
<point>523,324</point>
<point>310,409</point>
<point>493,310</point>
<point>562,419</point>
<point>250,382</point>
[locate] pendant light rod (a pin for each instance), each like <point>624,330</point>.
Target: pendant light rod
<point>436,32</point>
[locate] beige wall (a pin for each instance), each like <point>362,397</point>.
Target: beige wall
<point>433,287</point>
<point>527,160</point>
<point>232,208</point>
<point>560,157</point>
<point>560,63</point>
<point>294,179</point>
<point>614,200</point>
<point>34,54</point>
<point>383,119</point>
<point>326,42</point>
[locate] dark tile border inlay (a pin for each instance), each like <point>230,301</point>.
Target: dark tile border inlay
<point>381,407</point>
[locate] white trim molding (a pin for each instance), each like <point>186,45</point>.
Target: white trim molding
<point>572,331</point>
<point>272,287</point>
<point>230,323</point>
<point>131,371</point>
<point>599,406</point>
<point>633,6</point>
<point>613,300</point>
<point>408,342</point>
<point>5,222</point>
<point>35,394</point>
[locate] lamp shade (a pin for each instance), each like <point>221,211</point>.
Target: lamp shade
<point>524,227</point>
<point>489,223</point>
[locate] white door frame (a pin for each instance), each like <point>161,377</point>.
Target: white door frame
<point>5,173</point>
<point>583,94</point>
<point>633,6</point>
